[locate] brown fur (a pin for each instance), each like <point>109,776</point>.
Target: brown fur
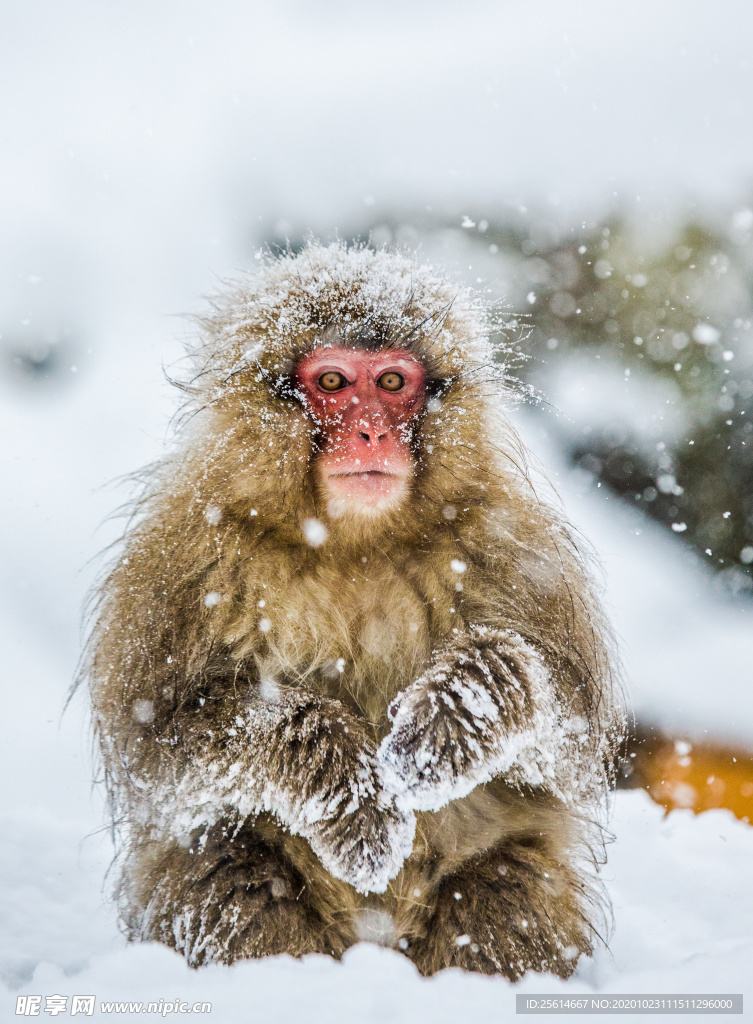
<point>179,652</point>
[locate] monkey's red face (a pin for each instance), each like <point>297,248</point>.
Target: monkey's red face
<point>366,405</point>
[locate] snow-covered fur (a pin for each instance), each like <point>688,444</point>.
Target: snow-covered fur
<point>307,718</point>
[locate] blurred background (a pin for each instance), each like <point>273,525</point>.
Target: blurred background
<point>588,164</point>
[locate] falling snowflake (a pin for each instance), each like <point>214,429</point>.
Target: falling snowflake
<point>315,532</point>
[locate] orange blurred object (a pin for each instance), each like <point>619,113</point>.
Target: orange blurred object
<point>680,773</point>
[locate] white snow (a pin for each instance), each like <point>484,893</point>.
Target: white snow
<point>681,925</point>
<point>213,514</point>
<point>596,396</point>
<point>705,334</point>
<point>315,532</point>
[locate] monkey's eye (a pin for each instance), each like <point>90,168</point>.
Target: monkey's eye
<point>391,381</point>
<point>332,381</point>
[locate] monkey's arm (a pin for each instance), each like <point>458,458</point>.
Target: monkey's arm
<point>311,764</point>
<point>486,706</point>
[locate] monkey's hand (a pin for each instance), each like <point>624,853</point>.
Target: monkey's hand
<point>310,763</point>
<point>484,707</point>
<point>355,828</point>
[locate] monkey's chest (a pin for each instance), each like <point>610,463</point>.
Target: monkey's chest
<point>361,638</point>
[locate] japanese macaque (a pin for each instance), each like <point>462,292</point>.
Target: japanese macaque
<point>350,676</point>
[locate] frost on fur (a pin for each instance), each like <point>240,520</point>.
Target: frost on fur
<point>327,787</point>
<point>486,707</point>
<point>291,303</point>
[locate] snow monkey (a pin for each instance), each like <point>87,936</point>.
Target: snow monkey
<point>349,672</point>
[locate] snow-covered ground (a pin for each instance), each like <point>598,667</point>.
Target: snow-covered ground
<point>145,149</point>
<point>683,911</point>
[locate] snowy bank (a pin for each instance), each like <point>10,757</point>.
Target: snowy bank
<point>683,922</point>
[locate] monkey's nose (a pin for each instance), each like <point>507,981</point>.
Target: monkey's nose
<point>372,435</point>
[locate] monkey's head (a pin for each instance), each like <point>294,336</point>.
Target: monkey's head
<point>348,386</point>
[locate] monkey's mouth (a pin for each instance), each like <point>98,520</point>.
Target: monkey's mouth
<point>366,474</point>
<point>368,479</point>
<point>371,487</point>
